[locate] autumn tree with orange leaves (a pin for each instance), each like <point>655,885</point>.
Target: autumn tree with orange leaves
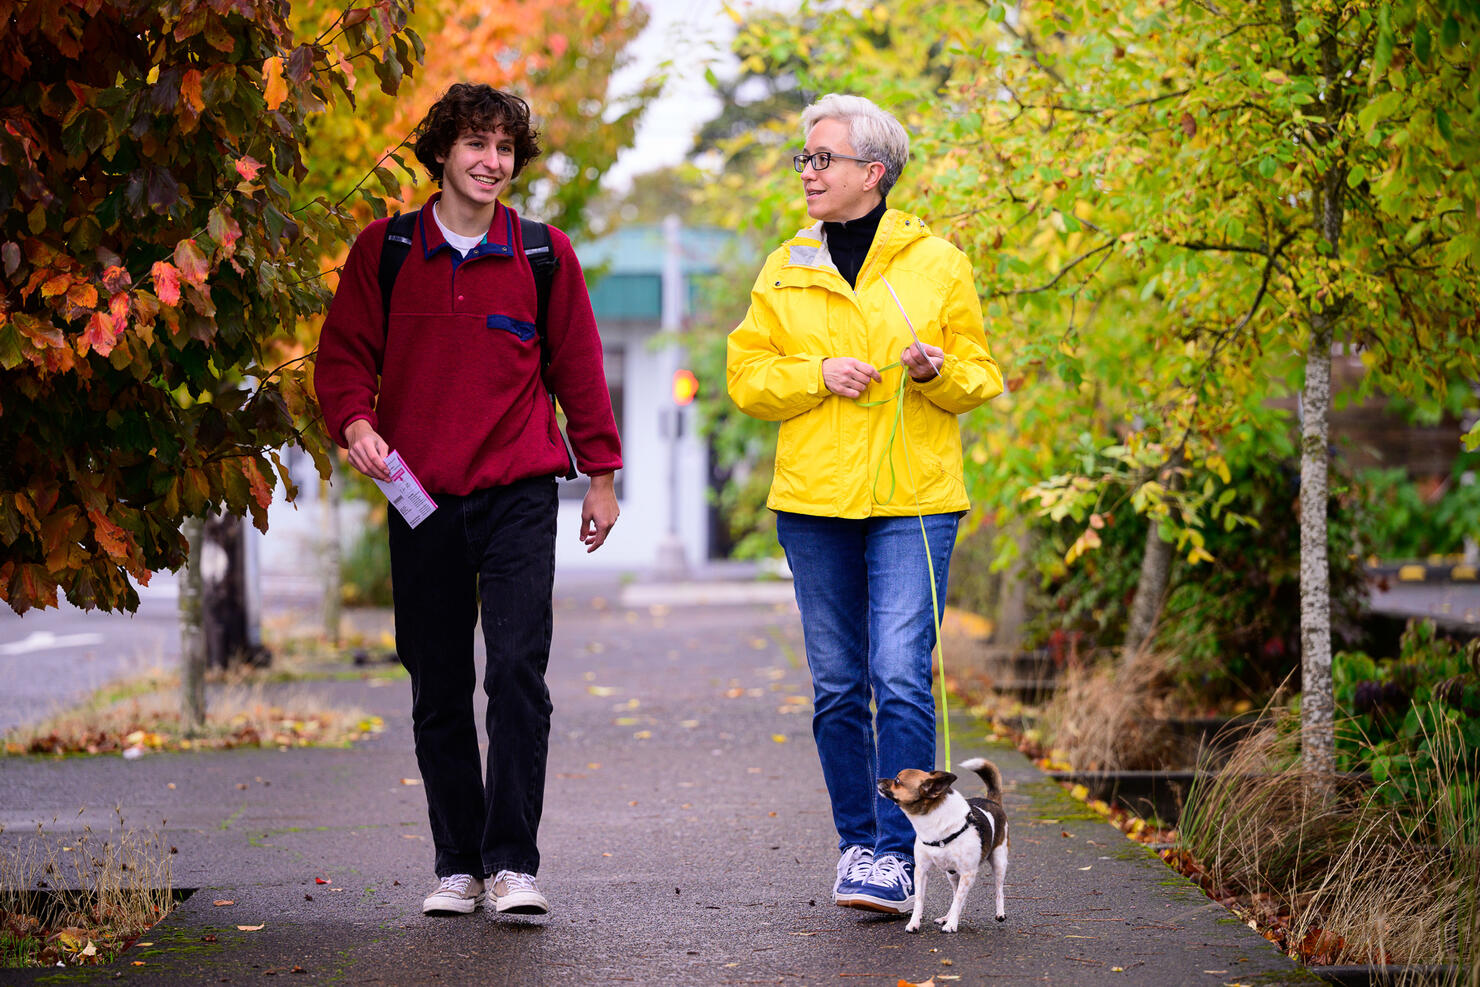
<point>557,55</point>
<point>152,254</point>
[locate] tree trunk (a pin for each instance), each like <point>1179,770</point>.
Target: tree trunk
<point>331,559</point>
<point>1156,572</point>
<point>1156,569</point>
<point>192,633</point>
<point>1317,701</point>
<point>1317,713</point>
<point>229,628</point>
<point>1012,595</point>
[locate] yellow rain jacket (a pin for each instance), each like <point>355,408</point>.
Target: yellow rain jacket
<point>834,456</point>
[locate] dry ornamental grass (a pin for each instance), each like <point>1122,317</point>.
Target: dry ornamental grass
<point>1342,873</point>
<point>80,898</point>
<point>146,717</point>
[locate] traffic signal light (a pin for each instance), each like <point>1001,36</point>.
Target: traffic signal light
<point>685,386</point>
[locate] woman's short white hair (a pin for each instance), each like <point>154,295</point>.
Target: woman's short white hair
<point>874,133</point>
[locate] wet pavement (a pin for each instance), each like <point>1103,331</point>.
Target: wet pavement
<point>686,840</point>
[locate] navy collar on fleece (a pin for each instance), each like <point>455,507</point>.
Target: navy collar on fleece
<point>432,239</point>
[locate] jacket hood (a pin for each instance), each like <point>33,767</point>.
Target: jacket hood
<point>897,230</point>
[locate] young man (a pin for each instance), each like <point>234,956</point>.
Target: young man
<point>456,383</point>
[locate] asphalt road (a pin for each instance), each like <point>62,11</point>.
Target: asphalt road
<point>686,840</point>
<point>54,658</point>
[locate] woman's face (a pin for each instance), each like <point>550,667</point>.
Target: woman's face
<point>845,189</point>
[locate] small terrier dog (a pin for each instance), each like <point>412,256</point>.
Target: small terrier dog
<point>957,834</point>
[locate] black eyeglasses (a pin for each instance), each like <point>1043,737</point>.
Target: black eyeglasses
<point>819,160</point>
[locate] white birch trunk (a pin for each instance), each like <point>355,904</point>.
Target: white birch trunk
<point>1317,702</point>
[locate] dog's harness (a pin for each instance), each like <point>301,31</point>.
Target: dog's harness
<point>964,827</point>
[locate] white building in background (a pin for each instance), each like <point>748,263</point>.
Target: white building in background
<point>643,284</point>
<point>644,281</point>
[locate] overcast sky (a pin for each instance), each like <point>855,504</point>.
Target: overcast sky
<point>690,34</point>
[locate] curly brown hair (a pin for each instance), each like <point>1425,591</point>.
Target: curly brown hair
<point>468,107</point>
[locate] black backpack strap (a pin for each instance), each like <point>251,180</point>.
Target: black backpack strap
<point>393,253</point>
<point>540,253</point>
<point>542,261</point>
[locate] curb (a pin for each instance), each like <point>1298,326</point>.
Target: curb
<point>1426,572</point>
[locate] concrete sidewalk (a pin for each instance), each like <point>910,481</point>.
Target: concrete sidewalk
<point>686,840</point>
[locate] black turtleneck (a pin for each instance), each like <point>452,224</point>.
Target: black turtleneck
<point>848,242</point>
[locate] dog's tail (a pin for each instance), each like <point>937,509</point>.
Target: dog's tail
<point>988,773</point>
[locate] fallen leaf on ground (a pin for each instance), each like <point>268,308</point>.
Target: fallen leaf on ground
<point>252,928</point>
<point>780,738</point>
<point>922,983</point>
<point>320,880</point>
<point>411,781</point>
<point>221,902</point>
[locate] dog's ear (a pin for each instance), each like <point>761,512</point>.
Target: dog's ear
<point>938,783</point>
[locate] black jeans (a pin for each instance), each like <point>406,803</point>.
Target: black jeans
<point>504,538</point>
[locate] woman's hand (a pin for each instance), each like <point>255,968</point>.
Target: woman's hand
<point>848,377</point>
<point>923,361</point>
<point>367,450</point>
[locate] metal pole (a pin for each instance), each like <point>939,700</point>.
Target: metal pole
<point>672,561</point>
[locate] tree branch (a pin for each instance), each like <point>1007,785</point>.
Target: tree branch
<point>1065,270</point>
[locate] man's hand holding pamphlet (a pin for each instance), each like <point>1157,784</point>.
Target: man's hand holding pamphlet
<point>405,492</point>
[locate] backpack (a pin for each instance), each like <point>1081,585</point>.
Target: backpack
<point>542,260</point>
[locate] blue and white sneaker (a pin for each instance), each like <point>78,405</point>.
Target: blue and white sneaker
<point>889,887</point>
<point>853,869</point>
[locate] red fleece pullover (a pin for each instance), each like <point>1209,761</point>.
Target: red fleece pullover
<point>459,391</point>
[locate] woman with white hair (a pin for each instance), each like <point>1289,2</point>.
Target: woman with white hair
<point>864,340</point>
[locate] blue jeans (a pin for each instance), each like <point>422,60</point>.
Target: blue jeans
<point>863,589</point>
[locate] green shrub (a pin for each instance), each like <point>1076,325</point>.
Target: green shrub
<point>365,572</point>
<point>1396,519</point>
<point>1398,707</point>
<point>1233,623</point>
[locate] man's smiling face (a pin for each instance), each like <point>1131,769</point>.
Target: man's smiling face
<point>477,169</point>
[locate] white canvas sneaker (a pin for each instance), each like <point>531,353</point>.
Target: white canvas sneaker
<point>457,894</point>
<point>517,894</point>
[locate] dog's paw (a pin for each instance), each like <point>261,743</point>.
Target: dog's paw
<point>947,926</point>
<point>1002,918</point>
<point>913,925</point>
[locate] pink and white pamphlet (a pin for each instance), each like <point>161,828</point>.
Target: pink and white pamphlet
<point>404,491</point>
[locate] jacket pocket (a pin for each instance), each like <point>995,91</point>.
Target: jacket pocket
<point>524,330</point>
